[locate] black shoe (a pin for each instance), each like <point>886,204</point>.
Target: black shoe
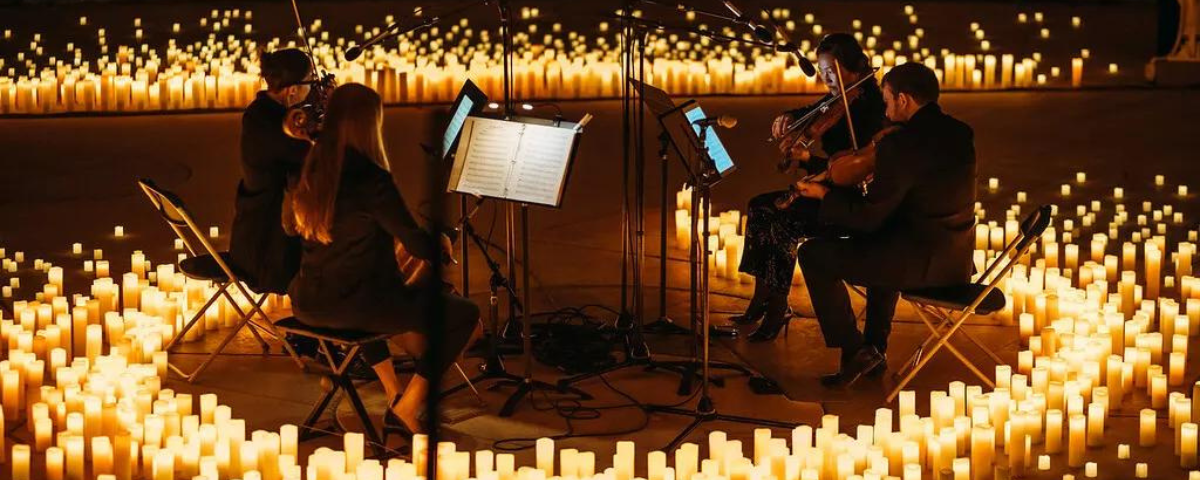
<point>749,318</point>
<point>865,360</point>
<point>757,307</point>
<point>872,364</point>
<point>880,369</point>
<point>774,321</point>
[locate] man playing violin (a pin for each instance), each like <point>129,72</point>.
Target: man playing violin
<point>772,234</point>
<point>912,229</point>
<point>267,257</point>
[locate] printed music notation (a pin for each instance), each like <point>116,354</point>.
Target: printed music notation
<point>512,160</point>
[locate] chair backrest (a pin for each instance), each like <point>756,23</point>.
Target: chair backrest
<point>1031,229</point>
<point>173,211</point>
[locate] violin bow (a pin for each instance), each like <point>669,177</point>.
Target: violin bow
<point>837,65</point>
<point>303,33</point>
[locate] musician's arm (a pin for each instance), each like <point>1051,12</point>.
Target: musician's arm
<point>893,179</point>
<point>388,208</point>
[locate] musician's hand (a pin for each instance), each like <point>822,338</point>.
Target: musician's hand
<point>812,189</point>
<point>799,152</point>
<point>448,250</point>
<point>779,127</point>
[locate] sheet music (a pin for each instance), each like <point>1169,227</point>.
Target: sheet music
<point>512,160</point>
<point>491,148</point>
<point>542,158</point>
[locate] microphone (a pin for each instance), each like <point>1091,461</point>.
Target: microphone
<point>726,121</point>
<point>356,51</point>
<point>805,64</point>
<point>763,34</point>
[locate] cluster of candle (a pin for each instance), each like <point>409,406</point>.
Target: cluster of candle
<point>221,71</point>
<point>1100,333</point>
<point>726,240</point>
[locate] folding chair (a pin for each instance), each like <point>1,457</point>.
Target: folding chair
<point>206,263</point>
<point>337,370</point>
<point>945,309</point>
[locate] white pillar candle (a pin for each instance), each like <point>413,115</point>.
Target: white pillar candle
<point>545,456</point>
<point>1187,445</point>
<point>1076,440</point>
<point>1147,431</point>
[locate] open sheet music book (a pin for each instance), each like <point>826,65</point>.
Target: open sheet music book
<point>515,161</point>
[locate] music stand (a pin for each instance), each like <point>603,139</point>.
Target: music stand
<point>520,161</point>
<point>706,163</point>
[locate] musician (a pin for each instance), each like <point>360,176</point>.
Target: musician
<point>349,213</point>
<point>773,234</point>
<point>265,255</point>
<point>912,228</point>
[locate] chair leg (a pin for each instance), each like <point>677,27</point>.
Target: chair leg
<point>308,428</point>
<point>247,318</point>
<point>944,320</point>
<point>190,378</point>
<point>361,411</point>
<point>941,342</point>
<point>470,384</point>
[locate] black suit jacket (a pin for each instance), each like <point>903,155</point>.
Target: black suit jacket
<point>266,256</point>
<point>918,212</point>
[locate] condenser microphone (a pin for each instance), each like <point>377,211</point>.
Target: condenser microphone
<point>352,53</point>
<point>726,121</point>
<point>763,34</point>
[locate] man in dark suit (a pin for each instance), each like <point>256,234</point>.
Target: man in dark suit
<point>911,229</point>
<point>265,255</point>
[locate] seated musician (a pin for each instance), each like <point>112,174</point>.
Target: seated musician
<point>912,229</point>
<point>349,213</point>
<point>259,248</point>
<point>772,234</point>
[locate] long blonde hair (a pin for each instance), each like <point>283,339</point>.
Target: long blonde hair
<point>353,119</point>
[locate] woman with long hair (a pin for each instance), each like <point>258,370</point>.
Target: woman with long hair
<point>350,214</point>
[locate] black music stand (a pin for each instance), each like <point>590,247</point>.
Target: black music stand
<point>675,130</point>
<point>469,175</point>
<point>695,149</point>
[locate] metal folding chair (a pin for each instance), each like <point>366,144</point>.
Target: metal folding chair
<point>204,262</point>
<point>945,309</point>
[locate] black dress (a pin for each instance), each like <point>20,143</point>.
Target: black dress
<point>354,283</point>
<point>261,251</point>
<point>772,235</point>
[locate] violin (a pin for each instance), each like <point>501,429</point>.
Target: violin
<point>305,120</point>
<point>846,168</point>
<point>801,134</point>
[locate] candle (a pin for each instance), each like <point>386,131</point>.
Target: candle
<point>1147,434</point>
<point>118,231</point>
<point>1076,440</point>
<point>1187,445</point>
<point>1141,470</point>
<point>214,232</point>
<point>21,458</point>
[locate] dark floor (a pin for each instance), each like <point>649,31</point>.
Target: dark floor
<point>63,191</point>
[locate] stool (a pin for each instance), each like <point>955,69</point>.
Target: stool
<point>337,371</point>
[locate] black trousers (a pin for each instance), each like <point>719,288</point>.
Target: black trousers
<point>772,236</point>
<point>827,264</point>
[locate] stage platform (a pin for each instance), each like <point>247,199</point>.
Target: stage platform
<point>72,180</point>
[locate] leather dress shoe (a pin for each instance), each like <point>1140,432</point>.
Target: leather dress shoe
<point>867,361</point>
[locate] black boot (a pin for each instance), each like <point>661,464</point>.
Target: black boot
<point>756,309</point>
<point>776,317</point>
